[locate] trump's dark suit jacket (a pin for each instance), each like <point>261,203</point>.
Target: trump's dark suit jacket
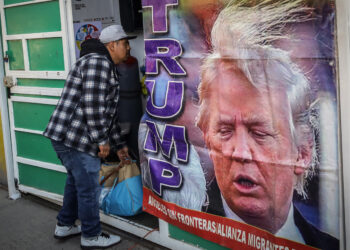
<point>312,236</point>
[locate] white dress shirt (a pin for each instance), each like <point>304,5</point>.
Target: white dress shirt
<point>288,231</point>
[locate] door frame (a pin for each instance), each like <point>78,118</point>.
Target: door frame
<point>162,236</point>
<point>343,76</point>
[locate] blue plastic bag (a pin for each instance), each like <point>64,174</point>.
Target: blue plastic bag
<point>125,197</point>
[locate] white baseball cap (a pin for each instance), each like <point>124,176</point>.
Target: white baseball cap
<point>114,33</point>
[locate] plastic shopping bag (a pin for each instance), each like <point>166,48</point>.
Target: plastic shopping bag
<point>125,196</point>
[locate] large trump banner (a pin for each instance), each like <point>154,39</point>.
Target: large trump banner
<point>239,142</point>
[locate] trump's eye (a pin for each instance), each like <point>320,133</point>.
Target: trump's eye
<point>260,135</point>
<point>226,131</point>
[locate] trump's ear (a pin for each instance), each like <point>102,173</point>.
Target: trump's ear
<point>304,159</point>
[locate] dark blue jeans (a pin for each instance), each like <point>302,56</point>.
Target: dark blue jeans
<point>82,189</point>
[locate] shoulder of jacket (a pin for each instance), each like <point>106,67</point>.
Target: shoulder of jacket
<point>101,59</point>
<point>94,56</point>
<point>90,56</point>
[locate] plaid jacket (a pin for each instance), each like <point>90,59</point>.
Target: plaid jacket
<point>86,113</point>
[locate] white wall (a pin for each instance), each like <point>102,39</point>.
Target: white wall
<point>106,11</point>
<point>343,35</point>
<point>138,47</point>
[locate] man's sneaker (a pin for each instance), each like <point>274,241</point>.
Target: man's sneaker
<point>64,232</point>
<point>102,241</point>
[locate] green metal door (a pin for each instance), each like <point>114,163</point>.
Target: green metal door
<point>37,60</point>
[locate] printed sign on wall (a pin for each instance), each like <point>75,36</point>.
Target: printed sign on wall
<point>239,142</point>
<point>85,31</point>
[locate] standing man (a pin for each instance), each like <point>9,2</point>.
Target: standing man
<point>83,129</point>
<point>130,98</point>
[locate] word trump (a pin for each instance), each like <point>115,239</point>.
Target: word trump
<point>164,52</point>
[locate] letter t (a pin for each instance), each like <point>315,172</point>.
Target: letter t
<point>159,13</point>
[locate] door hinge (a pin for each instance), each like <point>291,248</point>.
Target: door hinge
<point>6,57</point>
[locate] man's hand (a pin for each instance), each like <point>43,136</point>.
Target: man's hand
<point>104,150</point>
<point>123,154</point>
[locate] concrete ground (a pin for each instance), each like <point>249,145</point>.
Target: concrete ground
<point>29,222</point>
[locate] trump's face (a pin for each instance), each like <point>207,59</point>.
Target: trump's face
<point>250,143</point>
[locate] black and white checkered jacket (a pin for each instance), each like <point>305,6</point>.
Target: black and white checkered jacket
<point>85,116</point>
